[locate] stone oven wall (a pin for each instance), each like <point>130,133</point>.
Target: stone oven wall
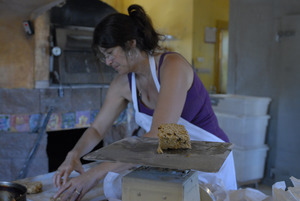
<point>18,132</point>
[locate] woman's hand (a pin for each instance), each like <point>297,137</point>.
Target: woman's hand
<point>63,172</point>
<point>77,187</point>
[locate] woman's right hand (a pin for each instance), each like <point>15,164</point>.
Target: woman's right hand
<point>63,172</point>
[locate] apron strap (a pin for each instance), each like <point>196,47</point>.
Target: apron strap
<point>133,82</point>
<point>133,92</point>
<point>153,71</point>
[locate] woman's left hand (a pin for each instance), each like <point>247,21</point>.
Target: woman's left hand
<point>77,187</point>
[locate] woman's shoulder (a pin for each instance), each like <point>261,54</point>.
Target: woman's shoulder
<point>171,58</point>
<point>172,61</point>
<point>120,85</point>
<point>175,65</point>
<point>120,81</point>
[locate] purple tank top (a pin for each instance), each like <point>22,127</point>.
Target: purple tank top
<point>197,108</point>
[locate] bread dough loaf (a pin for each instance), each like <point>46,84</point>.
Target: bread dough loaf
<point>33,187</point>
<point>53,199</point>
<point>173,136</point>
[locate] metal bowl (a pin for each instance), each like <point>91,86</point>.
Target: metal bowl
<point>10,191</point>
<point>206,194</point>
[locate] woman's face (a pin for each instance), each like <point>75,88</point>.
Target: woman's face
<point>116,58</point>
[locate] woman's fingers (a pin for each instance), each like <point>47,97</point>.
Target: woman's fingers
<point>61,177</point>
<point>57,178</point>
<point>66,176</point>
<point>82,193</point>
<point>71,194</point>
<point>75,188</point>
<point>71,191</point>
<point>62,189</point>
<point>76,195</point>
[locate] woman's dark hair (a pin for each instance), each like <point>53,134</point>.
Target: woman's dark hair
<point>116,29</point>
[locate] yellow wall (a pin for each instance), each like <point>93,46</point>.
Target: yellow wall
<point>16,54</point>
<point>24,59</point>
<point>172,17</point>
<point>20,67</point>
<point>206,13</point>
<point>116,4</point>
<point>186,21</point>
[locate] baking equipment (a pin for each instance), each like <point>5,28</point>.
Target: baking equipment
<point>206,194</point>
<point>204,156</point>
<point>149,183</point>
<point>10,191</point>
<point>171,175</point>
<point>74,62</point>
<point>72,58</point>
<point>23,172</point>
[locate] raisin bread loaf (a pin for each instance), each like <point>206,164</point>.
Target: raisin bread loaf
<point>173,136</point>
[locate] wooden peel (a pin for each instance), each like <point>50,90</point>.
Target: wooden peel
<point>203,156</point>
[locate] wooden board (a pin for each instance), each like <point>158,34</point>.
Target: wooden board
<point>204,156</point>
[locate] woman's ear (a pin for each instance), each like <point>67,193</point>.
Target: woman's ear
<point>131,49</point>
<point>131,43</point>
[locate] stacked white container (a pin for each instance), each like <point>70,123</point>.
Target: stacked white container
<point>244,119</point>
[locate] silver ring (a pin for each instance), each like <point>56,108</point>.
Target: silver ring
<point>76,191</point>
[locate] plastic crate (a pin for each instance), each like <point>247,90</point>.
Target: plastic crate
<point>239,104</point>
<point>249,163</point>
<point>245,131</point>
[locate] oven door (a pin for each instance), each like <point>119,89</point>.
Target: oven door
<point>77,64</point>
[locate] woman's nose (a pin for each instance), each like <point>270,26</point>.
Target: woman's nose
<point>108,61</point>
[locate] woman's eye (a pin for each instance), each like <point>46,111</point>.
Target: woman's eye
<point>107,54</point>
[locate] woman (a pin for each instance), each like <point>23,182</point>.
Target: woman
<point>163,88</point>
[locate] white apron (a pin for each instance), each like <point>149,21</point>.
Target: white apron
<point>226,176</point>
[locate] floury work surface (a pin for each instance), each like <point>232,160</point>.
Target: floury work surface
<point>204,156</point>
<point>48,190</point>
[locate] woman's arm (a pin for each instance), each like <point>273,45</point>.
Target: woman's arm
<point>115,102</point>
<point>176,76</point>
<point>84,183</point>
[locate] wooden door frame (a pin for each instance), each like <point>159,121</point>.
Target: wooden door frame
<point>220,25</point>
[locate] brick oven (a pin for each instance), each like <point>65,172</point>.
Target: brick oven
<point>76,90</point>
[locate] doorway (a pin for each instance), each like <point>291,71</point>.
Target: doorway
<point>221,56</point>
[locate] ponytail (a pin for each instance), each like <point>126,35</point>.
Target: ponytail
<point>148,36</point>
